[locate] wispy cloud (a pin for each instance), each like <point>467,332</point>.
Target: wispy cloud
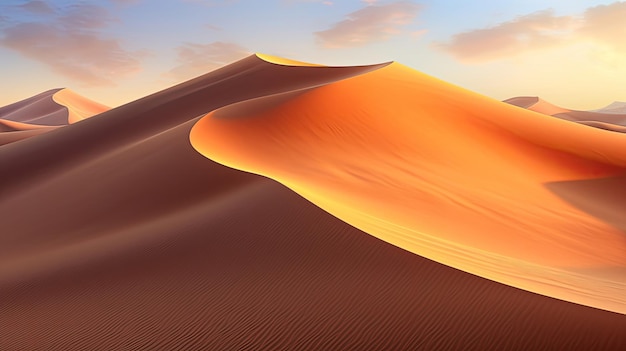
<point>69,41</point>
<point>197,59</point>
<point>37,6</point>
<point>541,30</point>
<point>370,24</point>
<point>606,24</point>
<point>530,32</point>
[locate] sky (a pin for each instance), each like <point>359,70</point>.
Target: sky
<point>569,52</point>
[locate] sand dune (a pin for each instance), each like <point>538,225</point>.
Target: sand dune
<point>12,126</point>
<point>613,121</point>
<point>78,107</point>
<point>442,172</point>
<point>43,113</point>
<point>618,107</point>
<point>536,104</point>
<point>134,241</point>
<point>40,109</point>
<point>51,108</point>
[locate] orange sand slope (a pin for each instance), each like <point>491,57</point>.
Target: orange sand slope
<point>477,184</point>
<point>135,241</point>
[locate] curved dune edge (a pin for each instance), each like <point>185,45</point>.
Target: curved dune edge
<point>13,126</point>
<point>40,109</point>
<point>411,160</point>
<point>613,121</point>
<point>537,104</point>
<point>616,107</point>
<point>285,61</point>
<point>78,107</point>
<point>11,131</point>
<point>606,126</point>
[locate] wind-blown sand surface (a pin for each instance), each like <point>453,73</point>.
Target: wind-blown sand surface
<point>118,235</point>
<point>444,173</point>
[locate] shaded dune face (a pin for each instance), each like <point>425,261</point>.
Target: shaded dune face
<point>442,172</point>
<point>117,235</point>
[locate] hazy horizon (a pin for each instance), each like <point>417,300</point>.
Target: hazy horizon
<point>115,51</point>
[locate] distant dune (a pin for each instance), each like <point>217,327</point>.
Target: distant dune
<point>78,107</point>
<point>40,109</point>
<point>44,112</point>
<point>610,119</point>
<point>118,235</point>
<point>445,173</point>
<point>536,104</point>
<point>617,107</point>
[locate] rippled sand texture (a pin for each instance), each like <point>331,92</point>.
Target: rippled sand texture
<point>117,235</point>
<point>474,183</point>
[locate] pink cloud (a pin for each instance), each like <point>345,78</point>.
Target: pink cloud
<point>369,24</point>
<point>541,30</point>
<point>70,45</point>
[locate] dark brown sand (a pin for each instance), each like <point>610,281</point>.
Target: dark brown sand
<point>117,235</point>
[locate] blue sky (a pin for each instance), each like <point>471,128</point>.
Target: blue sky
<point>571,53</point>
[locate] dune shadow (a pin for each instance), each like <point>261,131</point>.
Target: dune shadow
<point>603,198</point>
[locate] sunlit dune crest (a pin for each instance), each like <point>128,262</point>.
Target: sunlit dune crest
<point>78,107</point>
<point>284,61</point>
<point>536,104</point>
<point>448,174</point>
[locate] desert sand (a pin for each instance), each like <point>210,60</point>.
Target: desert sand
<point>465,180</point>
<point>78,107</point>
<point>118,235</point>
